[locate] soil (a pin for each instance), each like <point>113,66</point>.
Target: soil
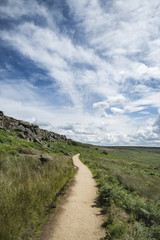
<point>78,217</point>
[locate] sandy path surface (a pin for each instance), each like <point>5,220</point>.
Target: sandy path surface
<point>80,218</point>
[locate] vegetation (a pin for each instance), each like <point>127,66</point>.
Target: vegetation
<point>128,179</point>
<point>28,187</point>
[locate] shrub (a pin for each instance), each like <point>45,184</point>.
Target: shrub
<point>105,152</point>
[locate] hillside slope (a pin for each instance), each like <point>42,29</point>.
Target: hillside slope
<point>32,173</point>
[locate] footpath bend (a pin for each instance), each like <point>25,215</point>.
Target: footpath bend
<point>79,218</point>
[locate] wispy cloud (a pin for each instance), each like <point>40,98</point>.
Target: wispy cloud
<point>100,65</point>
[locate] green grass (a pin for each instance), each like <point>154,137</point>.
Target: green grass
<point>128,181</point>
<point>28,187</point>
<point>137,169</point>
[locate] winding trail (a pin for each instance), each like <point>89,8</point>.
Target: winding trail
<point>80,218</point>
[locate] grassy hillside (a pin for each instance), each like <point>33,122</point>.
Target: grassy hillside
<point>28,185</point>
<point>128,179</point>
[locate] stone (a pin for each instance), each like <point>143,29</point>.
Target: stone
<point>52,139</point>
<point>1,123</point>
<point>36,130</point>
<point>34,125</point>
<point>28,131</point>
<point>1,113</point>
<point>45,158</point>
<point>25,124</point>
<point>21,135</point>
<point>20,128</point>
<point>37,140</point>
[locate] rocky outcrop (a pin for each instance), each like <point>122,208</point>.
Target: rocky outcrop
<point>28,131</point>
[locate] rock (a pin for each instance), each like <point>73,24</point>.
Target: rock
<point>34,125</point>
<point>21,135</point>
<point>45,158</point>
<point>25,124</point>
<point>30,138</point>
<point>28,131</point>
<point>68,154</point>
<point>20,128</point>
<point>36,140</point>
<point>37,130</point>
<point>23,151</point>
<point>1,123</point>
<point>1,113</point>
<point>52,139</point>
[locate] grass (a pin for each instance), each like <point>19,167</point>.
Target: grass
<point>136,169</point>
<point>128,179</point>
<point>28,187</point>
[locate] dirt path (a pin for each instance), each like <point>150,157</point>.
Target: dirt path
<point>80,218</point>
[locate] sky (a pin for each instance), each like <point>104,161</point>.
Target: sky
<point>88,69</point>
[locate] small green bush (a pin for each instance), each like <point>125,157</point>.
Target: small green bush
<point>105,152</point>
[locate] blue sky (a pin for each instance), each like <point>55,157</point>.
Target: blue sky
<point>86,69</point>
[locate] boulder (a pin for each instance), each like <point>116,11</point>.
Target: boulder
<point>25,124</point>
<point>36,129</point>
<point>37,140</point>
<point>22,135</point>
<point>28,131</point>
<point>45,158</point>
<point>20,128</point>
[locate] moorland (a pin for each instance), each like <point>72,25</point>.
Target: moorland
<point>33,176</point>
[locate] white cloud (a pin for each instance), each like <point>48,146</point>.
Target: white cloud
<point>101,105</point>
<point>111,62</point>
<point>13,9</point>
<point>118,99</point>
<point>157,125</point>
<point>117,110</point>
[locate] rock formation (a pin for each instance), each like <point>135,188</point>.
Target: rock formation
<point>28,131</point>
